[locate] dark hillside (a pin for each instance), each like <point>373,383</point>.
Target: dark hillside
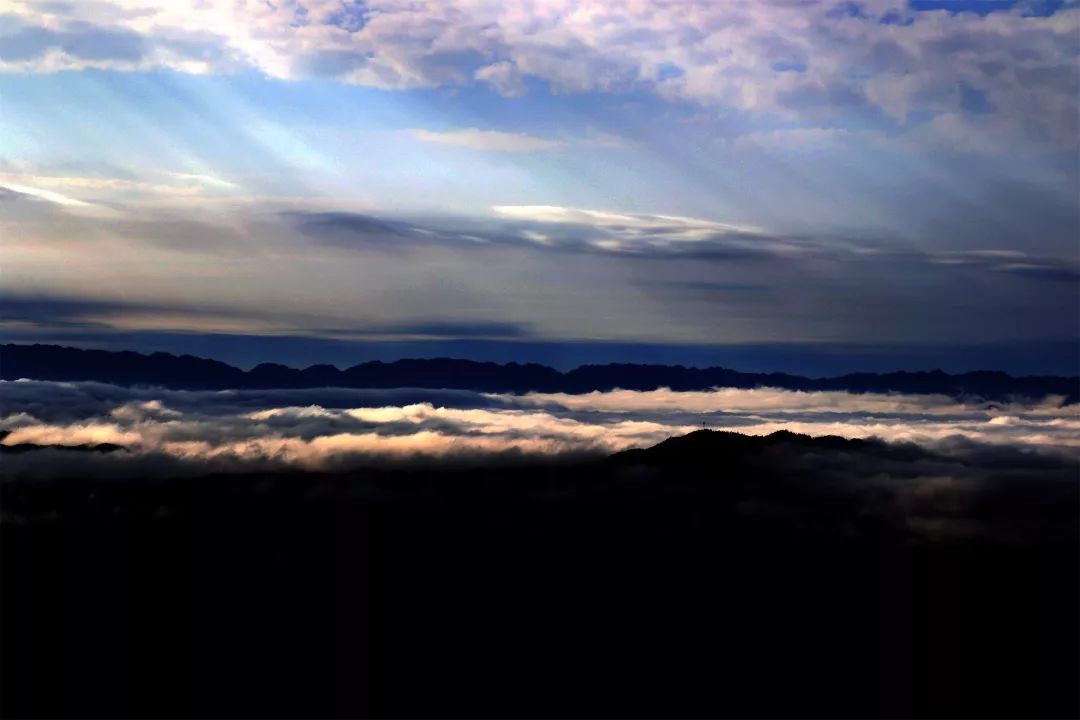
<point>712,575</point>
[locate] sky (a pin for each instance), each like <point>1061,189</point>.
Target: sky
<point>782,185</point>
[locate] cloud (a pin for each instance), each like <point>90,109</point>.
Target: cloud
<point>54,311</point>
<point>736,400</point>
<point>62,403</point>
<point>504,77</point>
<point>454,329</point>
<point>337,428</point>
<point>56,198</point>
<point>350,229</point>
<point>1014,484</point>
<point>1006,76</point>
<point>67,313</point>
<point>560,228</point>
<point>550,228</point>
<point>600,218</point>
<point>543,227</point>
<point>45,311</point>
<point>202,179</point>
<point>56,36</point>
<point>555,272</point>
<point>79,41</point>
<point>805,139</point>
<point>100,191</point>
<point>635,233</point>
<point>1011,262</point>
<point>477,139</point>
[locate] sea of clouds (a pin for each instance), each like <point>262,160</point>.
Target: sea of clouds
<point>178,431</point>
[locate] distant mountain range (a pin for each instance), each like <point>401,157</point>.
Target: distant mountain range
<point>53,362</point>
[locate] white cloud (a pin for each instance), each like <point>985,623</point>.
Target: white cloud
<point>83,191</point>
<point>202,179</point>
<point>620,232</point>
<point>477,139</point>
<point>504,77</point>
<point>47,195</point>
<point>603,218</point>
<point>1006,73</point>
<point>261,428</point>
<point>777,399</point>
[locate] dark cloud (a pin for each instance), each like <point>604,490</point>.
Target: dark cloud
<point>329,63</point>
<point>69,313</point>
<point>812,98</point>
<point>654,239</point>
<point>58,313</point>
<point>89,42</point>
<point>9,195</point>
<point>62,312</point>
<point>363,231</point>
<point>889,56</point>
<point>1054,272</point>
<point>455,329</point>
<point>1010,262</point>
<point>346,229</point>
<point>322,222</point>
<point>706,287</point>
<point>658,239</point>
<point>78,39</point>
<point>26,43</point>
<point>202,46</point>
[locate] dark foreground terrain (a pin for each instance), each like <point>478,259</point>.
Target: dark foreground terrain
<point>713,575</point>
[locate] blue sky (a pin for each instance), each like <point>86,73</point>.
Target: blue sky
<point>463,175</point>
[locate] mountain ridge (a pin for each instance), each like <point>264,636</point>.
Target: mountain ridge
<point>188,372</point>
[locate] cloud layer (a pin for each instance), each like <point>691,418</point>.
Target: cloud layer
<point>333,428</point>
<point>550,272</point>
<point>976,74</point>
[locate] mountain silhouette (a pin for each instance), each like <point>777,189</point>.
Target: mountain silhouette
<point>52,362</point>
